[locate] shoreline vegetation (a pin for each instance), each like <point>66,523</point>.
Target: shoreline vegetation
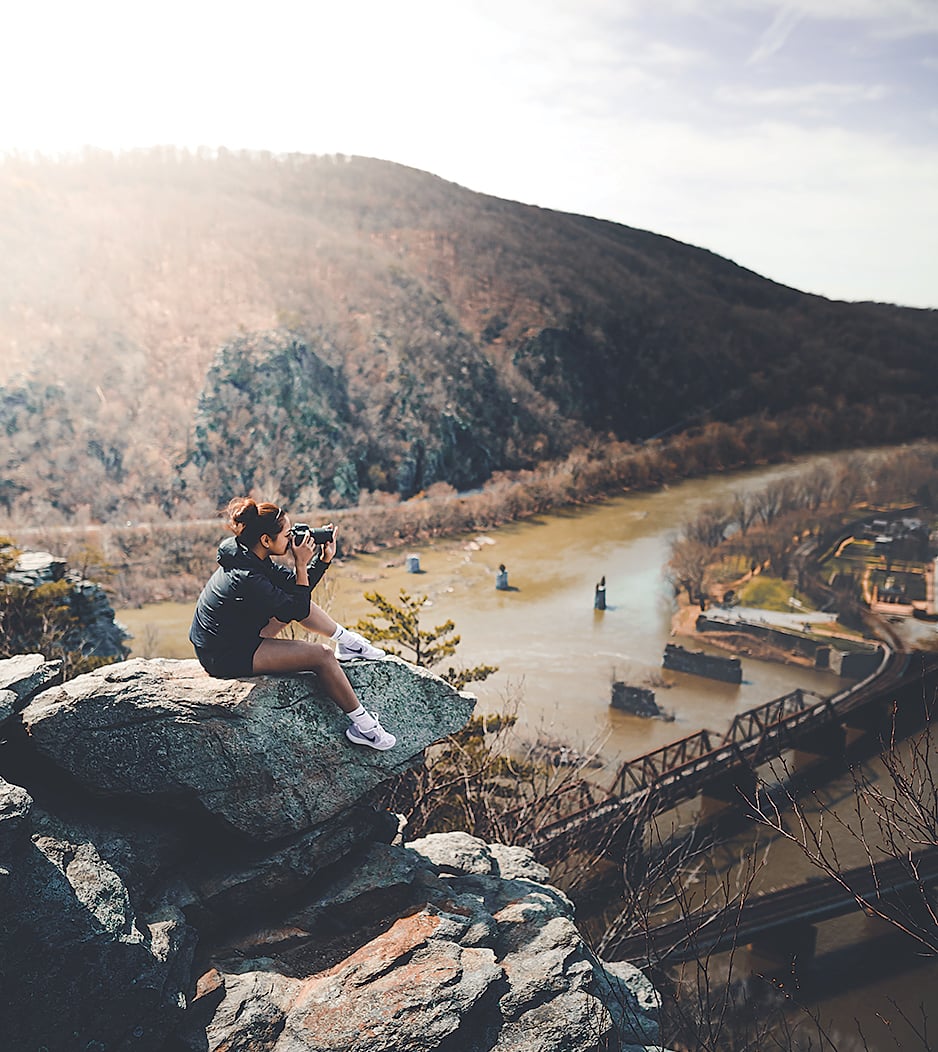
<point>141,563</point>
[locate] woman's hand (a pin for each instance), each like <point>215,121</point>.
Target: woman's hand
<point>304,551</point>
<point>328,550</point>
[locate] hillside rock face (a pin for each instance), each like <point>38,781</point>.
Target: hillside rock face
<point>95,633</point>
<point>192,864</point>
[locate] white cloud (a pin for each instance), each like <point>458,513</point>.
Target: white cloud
<point>810,95</point>
<point>777,34</point>
<point>896,17</point>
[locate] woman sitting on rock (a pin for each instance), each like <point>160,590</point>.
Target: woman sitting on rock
<point>249,599</point>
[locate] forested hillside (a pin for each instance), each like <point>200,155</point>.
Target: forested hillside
<point>176,328</point>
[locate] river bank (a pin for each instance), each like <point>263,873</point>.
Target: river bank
<point>164,560</point>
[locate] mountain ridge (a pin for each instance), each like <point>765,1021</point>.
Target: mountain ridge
<point>465,334</point>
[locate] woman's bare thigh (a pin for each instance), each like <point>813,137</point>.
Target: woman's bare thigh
<point>272,629</point>
<point>290,655</point>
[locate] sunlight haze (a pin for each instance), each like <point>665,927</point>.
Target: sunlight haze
<point>799,139</point>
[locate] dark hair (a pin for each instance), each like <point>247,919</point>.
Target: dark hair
<point>249,521</point>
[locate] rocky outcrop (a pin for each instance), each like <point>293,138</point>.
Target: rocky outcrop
<point>474,950</point>
<point>265,757</point>
<point>95,633</point>
<point>193,864</point>
<point>21,678</point>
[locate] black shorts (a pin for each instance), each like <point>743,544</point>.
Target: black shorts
<point>229,664</point>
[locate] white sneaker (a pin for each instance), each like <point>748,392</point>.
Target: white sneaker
<point>372,734</point>
<point>353,646</point>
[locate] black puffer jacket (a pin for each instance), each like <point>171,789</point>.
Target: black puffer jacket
<point>243,594</point>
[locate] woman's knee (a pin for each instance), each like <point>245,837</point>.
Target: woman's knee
<point>321,654</point>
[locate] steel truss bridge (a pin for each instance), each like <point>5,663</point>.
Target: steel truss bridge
<point>723,766</point>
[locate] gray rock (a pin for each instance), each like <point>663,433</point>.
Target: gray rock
<point>96,633</point>
<point>33,568</point>
<point>632,1001</point>
<point>21,678</point>
<point>456,852</point>
<point>81,966</point>
<point>406,991</point>
<point>241,803</point>
<point>575,1022</point>
<point>265,756</point>
<point>518,863</point>
<point>15,806</point>
<point>470,960</point>
<point>8,704</point>
<point>233,889</point>
<point>256,1001</point>
<point>460,852</point>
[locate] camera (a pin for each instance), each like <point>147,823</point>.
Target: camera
<point>321,534</point>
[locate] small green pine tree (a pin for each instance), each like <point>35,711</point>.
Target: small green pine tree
<point>397,627</point>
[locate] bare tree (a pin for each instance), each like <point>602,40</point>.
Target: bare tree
<point>892,816</point>
<point>687,568</point>
<point>743,512</point>
<point>709,527</point>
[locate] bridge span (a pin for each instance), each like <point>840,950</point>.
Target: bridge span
<point>724,766</point>
<point>784,921</point>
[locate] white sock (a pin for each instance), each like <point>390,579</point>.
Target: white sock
<point>338,633</point>
<point>363,720</point>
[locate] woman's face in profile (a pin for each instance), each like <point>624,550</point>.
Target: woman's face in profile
<point>280,544</point>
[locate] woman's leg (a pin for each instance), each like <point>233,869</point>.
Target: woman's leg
<point>278,656</point>
<point>319,621</point>
<point>350,645</point>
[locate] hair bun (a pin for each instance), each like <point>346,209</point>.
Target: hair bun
<point>242,510</point>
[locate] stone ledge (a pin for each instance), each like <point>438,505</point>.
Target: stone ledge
<point>264,756</point>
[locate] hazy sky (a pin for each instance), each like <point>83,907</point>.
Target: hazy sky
<point>799,138</point>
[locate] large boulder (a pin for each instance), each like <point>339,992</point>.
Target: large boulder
<point>264,756</point>
<point>194,864</point>
<point>81,964</point>
<point>474,950</point>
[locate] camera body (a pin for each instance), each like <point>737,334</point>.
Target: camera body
<point>321,534</point>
